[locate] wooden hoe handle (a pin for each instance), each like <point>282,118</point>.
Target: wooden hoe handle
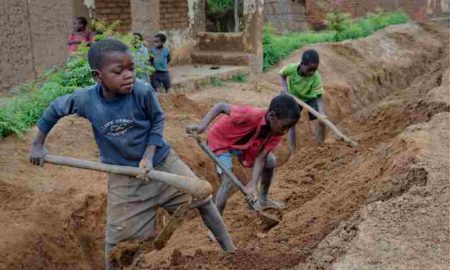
<point>194,186</point>
<point>323,118</point>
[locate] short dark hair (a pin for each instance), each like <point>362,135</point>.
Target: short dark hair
<point>310,56</point>
<point>139,35</point>
<point>82,20</point>
<point>100,49</point>
<point>285,107</point>
<point>161,37</point>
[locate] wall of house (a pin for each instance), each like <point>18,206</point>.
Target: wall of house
<point>179,20</point>
<point>285,15</point>
<point>114,10</point>
<point>34,37</point>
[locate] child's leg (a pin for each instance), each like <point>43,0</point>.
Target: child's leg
<point>207,209</point>
<point>316,127</point>
<point>154,81</point>
<point>166,81</point>
<point>131,211</point>
<point>226,186</point>
<point>266,181</point>
<point>224,192</point>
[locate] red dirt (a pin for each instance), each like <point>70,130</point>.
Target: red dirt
<point>53,217</point>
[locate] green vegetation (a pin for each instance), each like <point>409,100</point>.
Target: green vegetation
<point>340,27</point>
<point>217,6</point>
<point>240,78</point>
<point>216,82</point>
<point>19,113</point>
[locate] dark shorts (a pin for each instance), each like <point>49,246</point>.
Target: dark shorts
<point>313,103</point>
<point>160,78</point>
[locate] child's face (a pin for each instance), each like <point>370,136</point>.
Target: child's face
<point>157,42</point>
<point>117,73</point>
<point>280,126</point>
<point>78,26</point>
<point>309,69</point>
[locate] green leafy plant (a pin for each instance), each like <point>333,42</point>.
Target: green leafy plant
<point>216,82</point>
<point>22,111</point>
<point>217,6</point>
<point>240,78</point>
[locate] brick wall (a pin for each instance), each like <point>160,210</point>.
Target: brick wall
<point>113,10</point>
<point>173,14</point>
<point>316,10</point>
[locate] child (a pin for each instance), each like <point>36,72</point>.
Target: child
<point>80,34</point>
<point>128,126</point>
<point>160,61</point>
<point>305,83</point>
<point>251,134</point>
<point>140,56</point>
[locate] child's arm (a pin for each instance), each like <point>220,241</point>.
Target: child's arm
<point>169,57</point>
<point>155,137</point>
<point>61,107</point>
<point>257,169</point>
<point>212,114</point>
<point>284,85</point>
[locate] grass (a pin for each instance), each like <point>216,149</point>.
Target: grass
<point>239,78</point>
<point>341,27</point>
<point>216,82</point>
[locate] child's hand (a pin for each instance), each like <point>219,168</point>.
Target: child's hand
<point>146,165</point>
<point>252,197</point>
<point>194,128</point>
<point>37,154</point>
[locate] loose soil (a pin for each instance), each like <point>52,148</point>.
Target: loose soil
<point>385,205</point>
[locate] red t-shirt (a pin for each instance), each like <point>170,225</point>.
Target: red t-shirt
<point>242,121</point>
<point>87,37</point>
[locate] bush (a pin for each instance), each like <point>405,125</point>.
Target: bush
<point>19,113</point>
<point>340,27</point>
<point>239,78</point>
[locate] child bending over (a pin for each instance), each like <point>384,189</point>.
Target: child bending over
<point>251,134</point>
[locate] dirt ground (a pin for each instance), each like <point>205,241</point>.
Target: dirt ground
<point>385,206</point>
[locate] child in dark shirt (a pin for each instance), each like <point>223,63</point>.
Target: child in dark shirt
<point>160,61</point>
<point>128,126</point>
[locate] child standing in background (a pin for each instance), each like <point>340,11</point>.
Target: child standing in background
<point>141,57</point>
<point>160,59</point>
<point>80,34</point>
<point>306,84</point>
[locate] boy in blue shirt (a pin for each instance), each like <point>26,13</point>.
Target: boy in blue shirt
<point>160,58</point>
<point>128,125</point>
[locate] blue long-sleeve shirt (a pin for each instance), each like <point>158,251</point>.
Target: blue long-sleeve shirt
<point>123,127</point>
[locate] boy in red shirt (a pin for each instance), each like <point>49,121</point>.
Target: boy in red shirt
<point>251,134</point>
